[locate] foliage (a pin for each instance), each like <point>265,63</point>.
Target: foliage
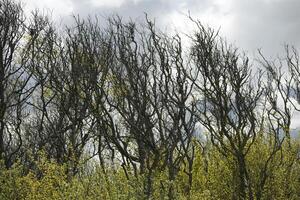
<point>126,111</point>
<point>213,178</point>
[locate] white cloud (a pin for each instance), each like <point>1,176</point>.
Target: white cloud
<point>107,3</point>
<point>266,24</point>
<point>58,8</point>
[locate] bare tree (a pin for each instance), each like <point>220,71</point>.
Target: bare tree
<point>146,114</point>
<point>282,95</point>
<point>15,79</point>
<point>227,101</point>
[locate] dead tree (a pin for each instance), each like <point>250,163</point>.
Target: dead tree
<point>282,98</point>
<point>227,101</point>
<point>15,79</point>
<point>148,115</point>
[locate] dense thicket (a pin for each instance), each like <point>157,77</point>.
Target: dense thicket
<point>119,110</point>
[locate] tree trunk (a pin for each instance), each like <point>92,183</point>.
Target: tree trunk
<point>243,184</point>
<point>2,107</point>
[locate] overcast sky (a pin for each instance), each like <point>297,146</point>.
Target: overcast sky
<point>249,24</point>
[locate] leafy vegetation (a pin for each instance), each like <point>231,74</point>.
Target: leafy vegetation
<point>213,178</point>
<point>124,111</point>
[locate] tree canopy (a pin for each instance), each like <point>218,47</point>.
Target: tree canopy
<point>126,111</point>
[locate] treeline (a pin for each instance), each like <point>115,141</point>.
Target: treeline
<point>111,109</point>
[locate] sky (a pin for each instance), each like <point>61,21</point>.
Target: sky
<point>248,24</point>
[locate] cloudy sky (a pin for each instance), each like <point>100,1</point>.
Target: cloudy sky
<point>249,24</point>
